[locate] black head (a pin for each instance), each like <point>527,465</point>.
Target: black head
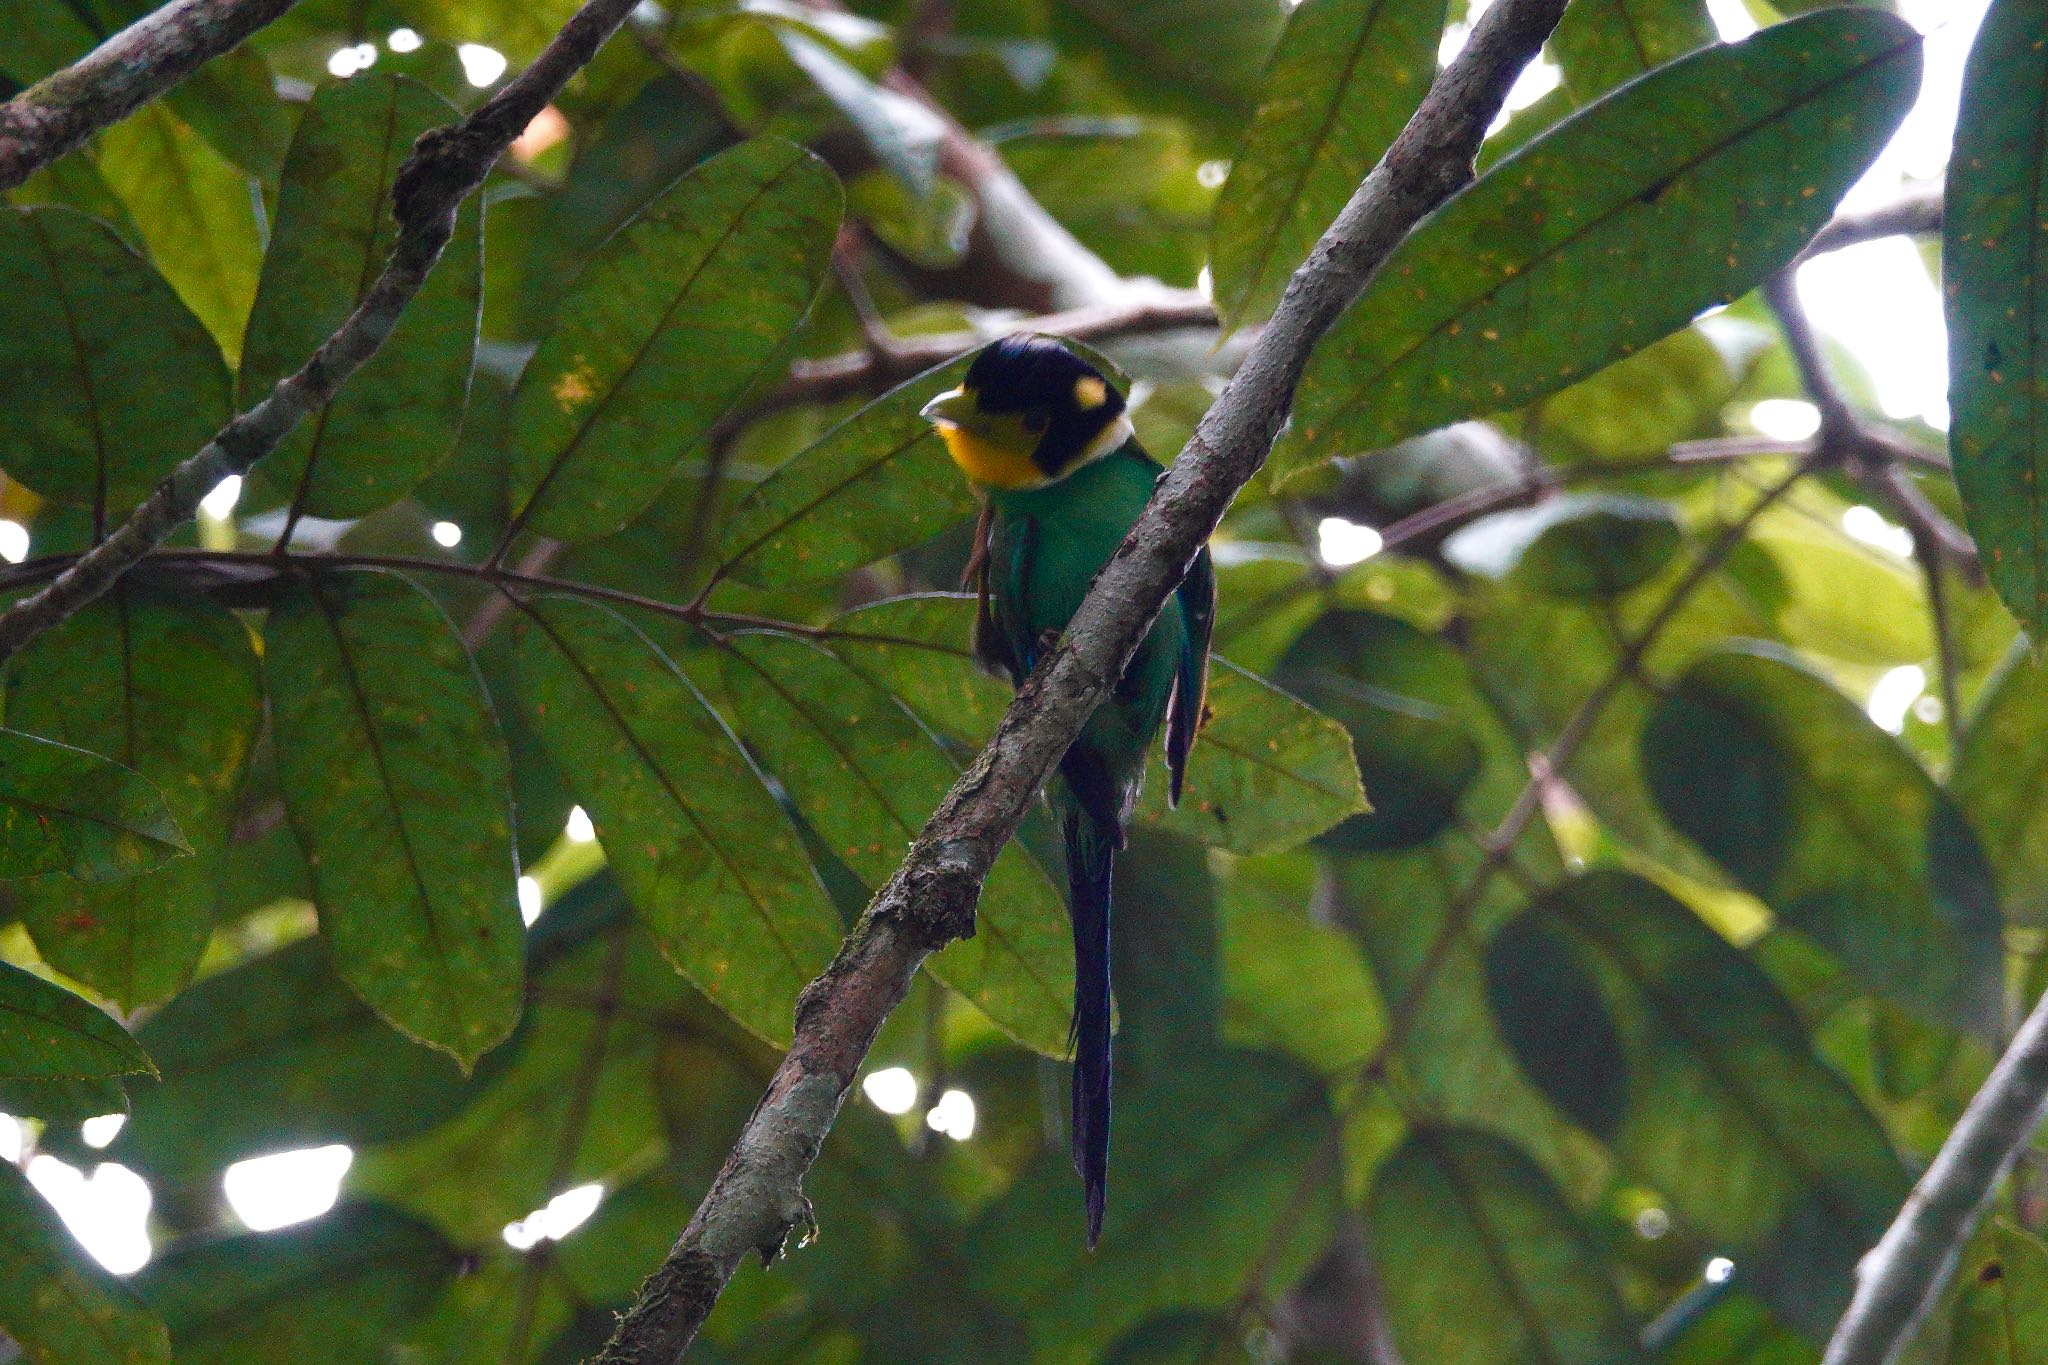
<point>1029,411</point>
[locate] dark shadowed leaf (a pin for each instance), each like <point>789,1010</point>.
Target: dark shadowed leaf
<point>1730,1328</point>
<point>1580,545</point>
<point>866,777</point>
<point>170,691</point>
<point>1675,1039</point>
<point>1721,166</point>
<point>1600,44</point>
<point>878,482</point>
<point>1998,770</point>
<point>197,214</point>
<point>397,782</point>
<point>272,1055</point>
<point>47,1034</point>
<point>1805,802</point>
<point>697,841</point>
<point>66,810</point>
<point>399,416</point>
<point>67,1101</point>
<point>1994,238</point>
<point>1216,1161</point>
<point>1266,772</point>
<point>2002,1299</point>
<point>39,36</point>
<point>332,1290</point>
<point>110,379</point>
<point>1484,1264</point>
<point>672,321</point>
<point>1205,55</point>
<point>1344,79</point>
<point>56,1304</point>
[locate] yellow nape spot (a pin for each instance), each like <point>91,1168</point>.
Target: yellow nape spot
<point>1090,392</point>
<point>574,387</point>
<point>987,463</point>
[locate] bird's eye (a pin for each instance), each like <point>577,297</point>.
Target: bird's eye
<point>1036,422</point>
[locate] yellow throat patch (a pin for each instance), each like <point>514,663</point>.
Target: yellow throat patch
<point>987,462</point>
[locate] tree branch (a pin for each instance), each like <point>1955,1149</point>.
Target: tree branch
<point>120,76</point>
<point>757,1198</point>
<point>1904,1274</point>
<point>1914,215</point>
<point>446,165</point>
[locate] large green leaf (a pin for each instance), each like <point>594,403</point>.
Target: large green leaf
<point>1483,1263</point>
<point>197,215</point>
<point>110,380</point>
<point>1202,56</point>
<point>55,1303</point>
<point>39,36</point>
<point>47,1033</point>
<point>1214,1168</point>
<point>920,649</point>
<point>674,319</point>
<point>332,1290</point>
<point>878,482</point>
<point>1266,772</point>
<point>1718,168</point>
<point>397,781</point>
<point>1600,44</point>
<point>1296,985</point>
<point>866,777</point>
<point>1680,1044</point>
<point>1405,698</point>
<point>170,691</point>
<point>399,416</point>
<point>1998,769</point>
<point>66,810</point>
<point>2002,1304</point>
<point>1344,79</point>
<point>276,1054</point>
<point>1993,257</point>
<point>697,841</point>
<point>1806,803</point>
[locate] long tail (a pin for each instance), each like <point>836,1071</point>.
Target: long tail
<point>1091,854</point>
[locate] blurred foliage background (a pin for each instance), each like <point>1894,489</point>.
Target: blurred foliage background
<point>424,850</point>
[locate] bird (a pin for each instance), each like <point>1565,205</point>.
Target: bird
<point>1046,444</point>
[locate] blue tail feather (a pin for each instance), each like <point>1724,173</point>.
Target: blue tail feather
<point>1091,856</point>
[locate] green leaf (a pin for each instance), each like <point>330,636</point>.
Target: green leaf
<point>1720,167</point>
<point>1296,985</point>
<point>57,1305</point>
<point>1994,240</point>
<point>40,36</point>
<point>109,378</point>
<point>170,691</point>
<point>65,1101</point>
<point>1204,56</point>
<point>866,778</point>
<point>918,648</point>
<point>196,213</point>
<point>1215,1169</point>
<point>47,1034</point>
<point>1266,772</point>
<point>1998,766</point>
<point>66,810</point>
<point>1649,1027</point>
<point>879,482</point>
<point>2002,1303</point>
<point>1400,693</point>
<point>271,1055</point>
<point>399,416</point>
<point>1344,79</point>
<point>1580,545</point>
<point>1600,44</point>
<point>701,847</point>
<point>903,134</point>
<point>332,1290</point>
<point>397,781</point>
<point>1731,1328</point>
<point>674,319</point>
<point>1807,804</point>
<point>1484,1263</point>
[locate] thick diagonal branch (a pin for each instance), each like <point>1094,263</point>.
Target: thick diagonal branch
<point>119,76</point>
<point>446,166</point>
<point>1904,1274</point>
<point>757,1198</point>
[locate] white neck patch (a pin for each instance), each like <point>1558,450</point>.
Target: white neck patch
<point>1108,441</point>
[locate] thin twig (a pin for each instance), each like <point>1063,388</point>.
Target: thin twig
<point>757,1198</point>
<point>446,166</point>
<point>120,76</point>
<point>1917,214</point>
